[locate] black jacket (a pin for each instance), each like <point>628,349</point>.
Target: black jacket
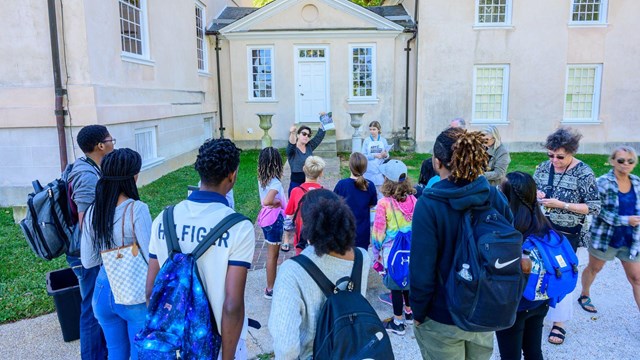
<point>435,232</point>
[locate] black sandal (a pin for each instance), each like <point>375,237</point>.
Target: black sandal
<point>285,248</point>
<point>560,335</point>
<point>587,302</point>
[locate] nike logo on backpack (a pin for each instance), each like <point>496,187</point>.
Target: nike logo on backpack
<point>501,265</point>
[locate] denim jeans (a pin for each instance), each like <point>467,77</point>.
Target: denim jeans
<point>92,343</point>
<point>120,323</point>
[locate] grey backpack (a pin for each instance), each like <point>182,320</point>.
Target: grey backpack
<point>49,226</point>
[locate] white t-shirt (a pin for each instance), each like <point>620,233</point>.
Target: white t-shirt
<point>268,215</point>
<point>194,218</point>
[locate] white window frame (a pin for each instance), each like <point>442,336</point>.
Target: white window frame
<point>604,6</point>
<point>205,54</point>
<point>507,16</point>
<point>374,74</point>
<point>505,95</point>
<point>251,97</point>
<point>595,101</point>
<point>153,159</point>
<point>145,57</point>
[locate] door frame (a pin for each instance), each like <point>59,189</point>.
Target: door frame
<point>297,60</point>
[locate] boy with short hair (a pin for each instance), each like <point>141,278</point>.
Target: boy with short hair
<point>95,142</point>
<point>223,267</point>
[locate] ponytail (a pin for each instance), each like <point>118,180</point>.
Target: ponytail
<point>358,165</point>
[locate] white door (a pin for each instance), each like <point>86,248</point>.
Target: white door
<point>311,97</point>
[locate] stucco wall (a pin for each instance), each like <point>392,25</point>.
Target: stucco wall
<point>538,50</point>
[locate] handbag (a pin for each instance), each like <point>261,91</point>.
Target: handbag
<point>126,268</point>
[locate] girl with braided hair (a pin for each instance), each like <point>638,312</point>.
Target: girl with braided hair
<point>459,157</point>
<point>525,336</point>
<point>271,216</point>
<point>116,218</point>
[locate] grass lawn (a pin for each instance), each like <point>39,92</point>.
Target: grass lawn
<point>22,275</point>
<point>23,292</point>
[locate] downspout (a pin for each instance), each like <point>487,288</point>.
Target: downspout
<point>57,84</point>
<point>217,48</point>
<point>406,87</point>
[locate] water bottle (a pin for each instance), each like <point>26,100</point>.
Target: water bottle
<point>525,263</point>
<point>465,273</point>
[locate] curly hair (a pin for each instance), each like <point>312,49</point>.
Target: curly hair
<point>327,222</point>
<point>269,165</point>
<point>118,170</point>
<point>397,190</point>
<point>462,152</point>
<point>358,166</point>
<point>217,158</point>
<point>566,138</point>
<point>90,136</point>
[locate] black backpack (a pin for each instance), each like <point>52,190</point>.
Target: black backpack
<point>483,295</point>
<point>347,327</point>
<point>49,225</point>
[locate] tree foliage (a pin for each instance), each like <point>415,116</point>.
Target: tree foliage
<point>261,3</point>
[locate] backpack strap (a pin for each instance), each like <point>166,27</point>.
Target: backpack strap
<point>356,272</point>
<point>327,287</point>
<point>170,231</point>
<point>216,233</point>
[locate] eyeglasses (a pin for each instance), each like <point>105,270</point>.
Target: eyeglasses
<point>629,161</point>
<point>305,134</point>
<point>112,140</point>
<point>559,157</point>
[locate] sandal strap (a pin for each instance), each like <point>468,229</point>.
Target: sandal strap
<point>561,330</point>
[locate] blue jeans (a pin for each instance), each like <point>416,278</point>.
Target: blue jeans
<point>120,323</point>
<point>92,343</point>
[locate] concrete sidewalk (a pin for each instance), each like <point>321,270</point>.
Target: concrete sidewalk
<point>610,334</point>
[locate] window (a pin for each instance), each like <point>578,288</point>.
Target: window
<point>147,146</point>
<point>490,93</point>
<point>133,31</point>
<point>493,12</point>
<point>261,73</point>
<point>363,72</point>
<point>588,11</point>
<point>582,95</point>
<point>201,45</point>
<point>208,127</point>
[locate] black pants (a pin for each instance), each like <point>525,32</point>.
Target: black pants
<point>525,336</point>
<point>397,297</point>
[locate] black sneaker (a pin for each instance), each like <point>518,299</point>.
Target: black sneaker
<point>408,317</point>
<point>268,294</point>
<point>391,326</point>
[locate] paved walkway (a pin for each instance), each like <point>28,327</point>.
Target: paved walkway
<point>610,334</point>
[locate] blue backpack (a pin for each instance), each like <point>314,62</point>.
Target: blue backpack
<point>180,323</point>
<point>554,272</point>
<point>399,257</point>
<point>485,274</point>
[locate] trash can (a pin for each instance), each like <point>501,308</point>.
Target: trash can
<point>63,286</point>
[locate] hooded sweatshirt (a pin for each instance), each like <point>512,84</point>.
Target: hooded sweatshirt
<point>83,177</point>
<point>391,216</point>
<point>436,222</point>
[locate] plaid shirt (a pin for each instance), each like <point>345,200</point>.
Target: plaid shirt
<point>604,225</point>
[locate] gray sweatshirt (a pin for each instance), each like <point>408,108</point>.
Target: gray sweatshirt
<point>297,301</point>
<point>142,220</point>
<point>83,178</point>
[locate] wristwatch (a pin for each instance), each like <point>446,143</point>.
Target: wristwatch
<point>566,206</point>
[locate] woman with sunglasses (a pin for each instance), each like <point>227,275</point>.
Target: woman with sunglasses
<point>615,232</point>
<point>300,147</point>
<point>568,192</point>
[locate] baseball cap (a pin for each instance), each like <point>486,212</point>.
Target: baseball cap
<point>394,170</point>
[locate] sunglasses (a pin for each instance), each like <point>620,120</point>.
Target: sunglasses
<point>629,161</point>
<point>305,134</point>
<point>559,157</point>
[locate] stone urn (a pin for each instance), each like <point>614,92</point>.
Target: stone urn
<point>265,124</point>
<point>356,138</point>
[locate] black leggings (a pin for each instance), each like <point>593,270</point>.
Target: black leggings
<point>525,336</point>
<point>396,300</point>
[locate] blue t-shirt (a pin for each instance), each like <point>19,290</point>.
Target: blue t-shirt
<point>360,203</point>
<point>623,235</point>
